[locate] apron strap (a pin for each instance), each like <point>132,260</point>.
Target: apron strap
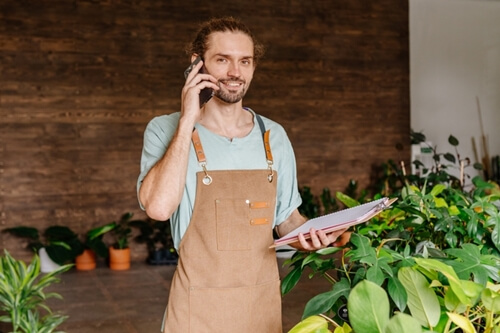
<point>267,146</point>
<point>202,160</point>
<point>200,155</point>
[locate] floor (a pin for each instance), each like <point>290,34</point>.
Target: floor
<point>133,301</point>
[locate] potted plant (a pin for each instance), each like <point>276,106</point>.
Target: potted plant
<point>119,251</point>
<point>93,245</point>
<point>30,313</point>
<point>158,238</point>
<point>57,245</point>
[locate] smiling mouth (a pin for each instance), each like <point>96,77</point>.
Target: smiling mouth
<point>232,84</point>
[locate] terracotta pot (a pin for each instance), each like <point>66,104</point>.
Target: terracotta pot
<point>119,259</point>
<point>86,261</point>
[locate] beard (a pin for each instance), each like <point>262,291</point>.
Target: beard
<point>228,96</point>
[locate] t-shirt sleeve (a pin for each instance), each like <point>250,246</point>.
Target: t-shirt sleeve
<point>157,136</point>
<point>288,196</point>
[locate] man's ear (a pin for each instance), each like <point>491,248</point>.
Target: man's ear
<point>193,57</point>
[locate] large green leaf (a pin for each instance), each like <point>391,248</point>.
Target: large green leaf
<point>397,293</point>
<point>323,302</point>
<point>463,322</point>
<point>453,279</point>
<point>491,300</point>
<point>362,248</point>
<point>314,324</point>
<point>368,308</point>
<point>24,232</point>
<point>422,301</point>
<point>403,323</point>
<point>291,280</point>
<point>472,262</point>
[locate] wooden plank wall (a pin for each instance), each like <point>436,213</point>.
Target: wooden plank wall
<point>79,80</point>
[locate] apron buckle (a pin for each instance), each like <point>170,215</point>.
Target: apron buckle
<point>207,180</point>
<point>270,177</point>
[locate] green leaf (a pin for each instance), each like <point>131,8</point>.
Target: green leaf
<point>403,323</point>
<point>362,247</point>
<point>291,280</point>
<point>397,293</point>
<point>449,157</point>
<point>346,200</point>
<point>23,232</point>
<point>453,280</point>
<point>323,302</point>
<point>452,140</point>
<point>491,300</point>
<point>462,322</point>
<point>314,324</point>
<point>437,189</point>
<point>99,231</point>
<point>329,250</point>
<point>469,263</point>
<point>452,303</point>
<point>422,301</point>
<point>368,308</point>
<point>375,275</point>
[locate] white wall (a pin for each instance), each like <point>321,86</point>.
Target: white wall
<point>454,58</point>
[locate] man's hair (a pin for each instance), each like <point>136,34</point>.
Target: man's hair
<point>200,43</point>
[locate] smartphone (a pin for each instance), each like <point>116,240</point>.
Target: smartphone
<point>205,93</point>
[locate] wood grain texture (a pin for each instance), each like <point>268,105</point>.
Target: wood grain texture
<point>79,80</point>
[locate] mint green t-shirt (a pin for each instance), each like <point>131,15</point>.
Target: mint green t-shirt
<point>245,153</point>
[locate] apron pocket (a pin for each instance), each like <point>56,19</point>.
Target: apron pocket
<point>233,225</point>
<point>229,310</point>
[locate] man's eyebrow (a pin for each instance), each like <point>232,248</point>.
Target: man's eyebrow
<point>229,56</point>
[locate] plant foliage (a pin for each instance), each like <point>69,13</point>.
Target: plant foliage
<point>429,263</point>
<point>23,296</point>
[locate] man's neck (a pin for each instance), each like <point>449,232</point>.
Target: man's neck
<point>228,120</point>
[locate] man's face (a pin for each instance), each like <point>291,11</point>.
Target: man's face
<point>229,58</point>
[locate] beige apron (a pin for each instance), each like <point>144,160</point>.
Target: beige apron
<point>227,278</point>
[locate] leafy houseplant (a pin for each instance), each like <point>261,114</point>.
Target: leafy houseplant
<point>121,231</point>
<point>119,252</point>
<point>29,313</point>
<point>158,239</point>
<point>93,246</point>
<point>60,242</point>
<point>427,294</point>
<point>429,263</point>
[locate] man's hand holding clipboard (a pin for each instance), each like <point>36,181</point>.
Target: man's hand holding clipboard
<point>340,220</point>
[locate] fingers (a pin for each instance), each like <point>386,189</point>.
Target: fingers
<point>196,81</point>
<point>197,76</point>
<point>319,239</point>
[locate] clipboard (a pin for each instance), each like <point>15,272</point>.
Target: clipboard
<point>341,219</point>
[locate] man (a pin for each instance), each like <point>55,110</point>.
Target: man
<point>225,177</point>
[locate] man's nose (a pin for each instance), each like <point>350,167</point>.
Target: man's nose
<point>234,70</point>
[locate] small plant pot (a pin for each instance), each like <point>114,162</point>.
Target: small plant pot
<point>119,259</point>
<point>86,261</point>
<point>47,265</point>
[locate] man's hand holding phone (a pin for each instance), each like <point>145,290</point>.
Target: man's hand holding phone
<point>198,82</point>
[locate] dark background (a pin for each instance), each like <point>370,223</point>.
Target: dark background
<point>79,80</point>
